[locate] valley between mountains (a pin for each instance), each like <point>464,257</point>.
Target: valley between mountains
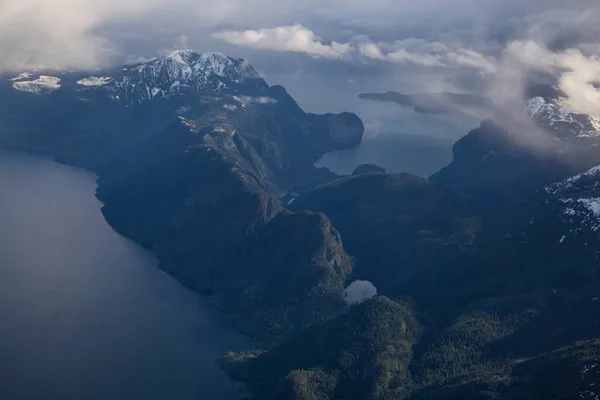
<point>487,273</point>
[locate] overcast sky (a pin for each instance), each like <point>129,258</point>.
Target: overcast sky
<point>500,42</point>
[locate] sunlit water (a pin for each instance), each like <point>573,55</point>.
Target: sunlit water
<point>84,313</point>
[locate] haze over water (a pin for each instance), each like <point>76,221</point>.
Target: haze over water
<point>84,312</point>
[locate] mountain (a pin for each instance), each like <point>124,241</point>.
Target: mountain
<point>361,354</point>
<point>560,121</point>
<point>192,153</point>
<point>367,168</point>
<point>393,220</point>
<point>80,118</point>
<point>502,163</point>
<point>486,274</point>
<point>177,73</point>
<point>433,103</point>
<point>213,226</point>
<point>173,75</point>
<point>494,299</point>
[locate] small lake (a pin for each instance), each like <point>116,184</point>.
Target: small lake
<point>84,312</point>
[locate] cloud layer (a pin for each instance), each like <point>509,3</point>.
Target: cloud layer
<point>299,39</point>
<point>562,44</point>
<point>59,34</point>
<point>501,43</point>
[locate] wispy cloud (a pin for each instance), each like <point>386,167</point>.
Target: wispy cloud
<point>558,43</point>
<point>299,39</point>
<point>576,72</point>
<point>293,38</point>
<point>425,53</point>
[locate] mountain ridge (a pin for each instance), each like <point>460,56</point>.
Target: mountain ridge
<point>173,74</point>
<point>218,154</point>
<point>506,161</point>
<point>472,301</point>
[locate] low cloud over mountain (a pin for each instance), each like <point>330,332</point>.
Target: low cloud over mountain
<point>499,44</point>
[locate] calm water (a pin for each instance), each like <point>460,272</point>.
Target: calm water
<point>85,313</point>
<point>396,138</point>
<point>400,139</point>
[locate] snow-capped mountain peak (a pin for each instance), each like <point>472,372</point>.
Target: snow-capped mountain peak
<point>560,120</point>
<point>189,65</point>
<point>175,74</point>
<point>179,56</point>
<point>215,63</point>
<point>185,71</point>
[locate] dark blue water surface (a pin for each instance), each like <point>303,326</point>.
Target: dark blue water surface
<point>84,313</point>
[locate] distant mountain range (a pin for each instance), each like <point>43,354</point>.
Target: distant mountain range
<point>487,274</point>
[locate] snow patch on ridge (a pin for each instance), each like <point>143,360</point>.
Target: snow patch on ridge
<point>186,65</point>
<point>21,76</point>
<point>177,55</point>
<point>586,210</point>
<point>42,85</point>
<point>214,62</point>
<point>535,105</point>
<point>554,117</point>
<point>589,378</point>
<point>569,183</point>
<point>94,81</point>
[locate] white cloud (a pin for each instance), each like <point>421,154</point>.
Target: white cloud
<point>299,39</point>
<point>371,50</point>
<point>294,38</point>
<point>425,53</point>
<point>578,82</point>
<point>85,34</point>
<point>576,72</point>
<point>59,33</point>
<point>402,56</point>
